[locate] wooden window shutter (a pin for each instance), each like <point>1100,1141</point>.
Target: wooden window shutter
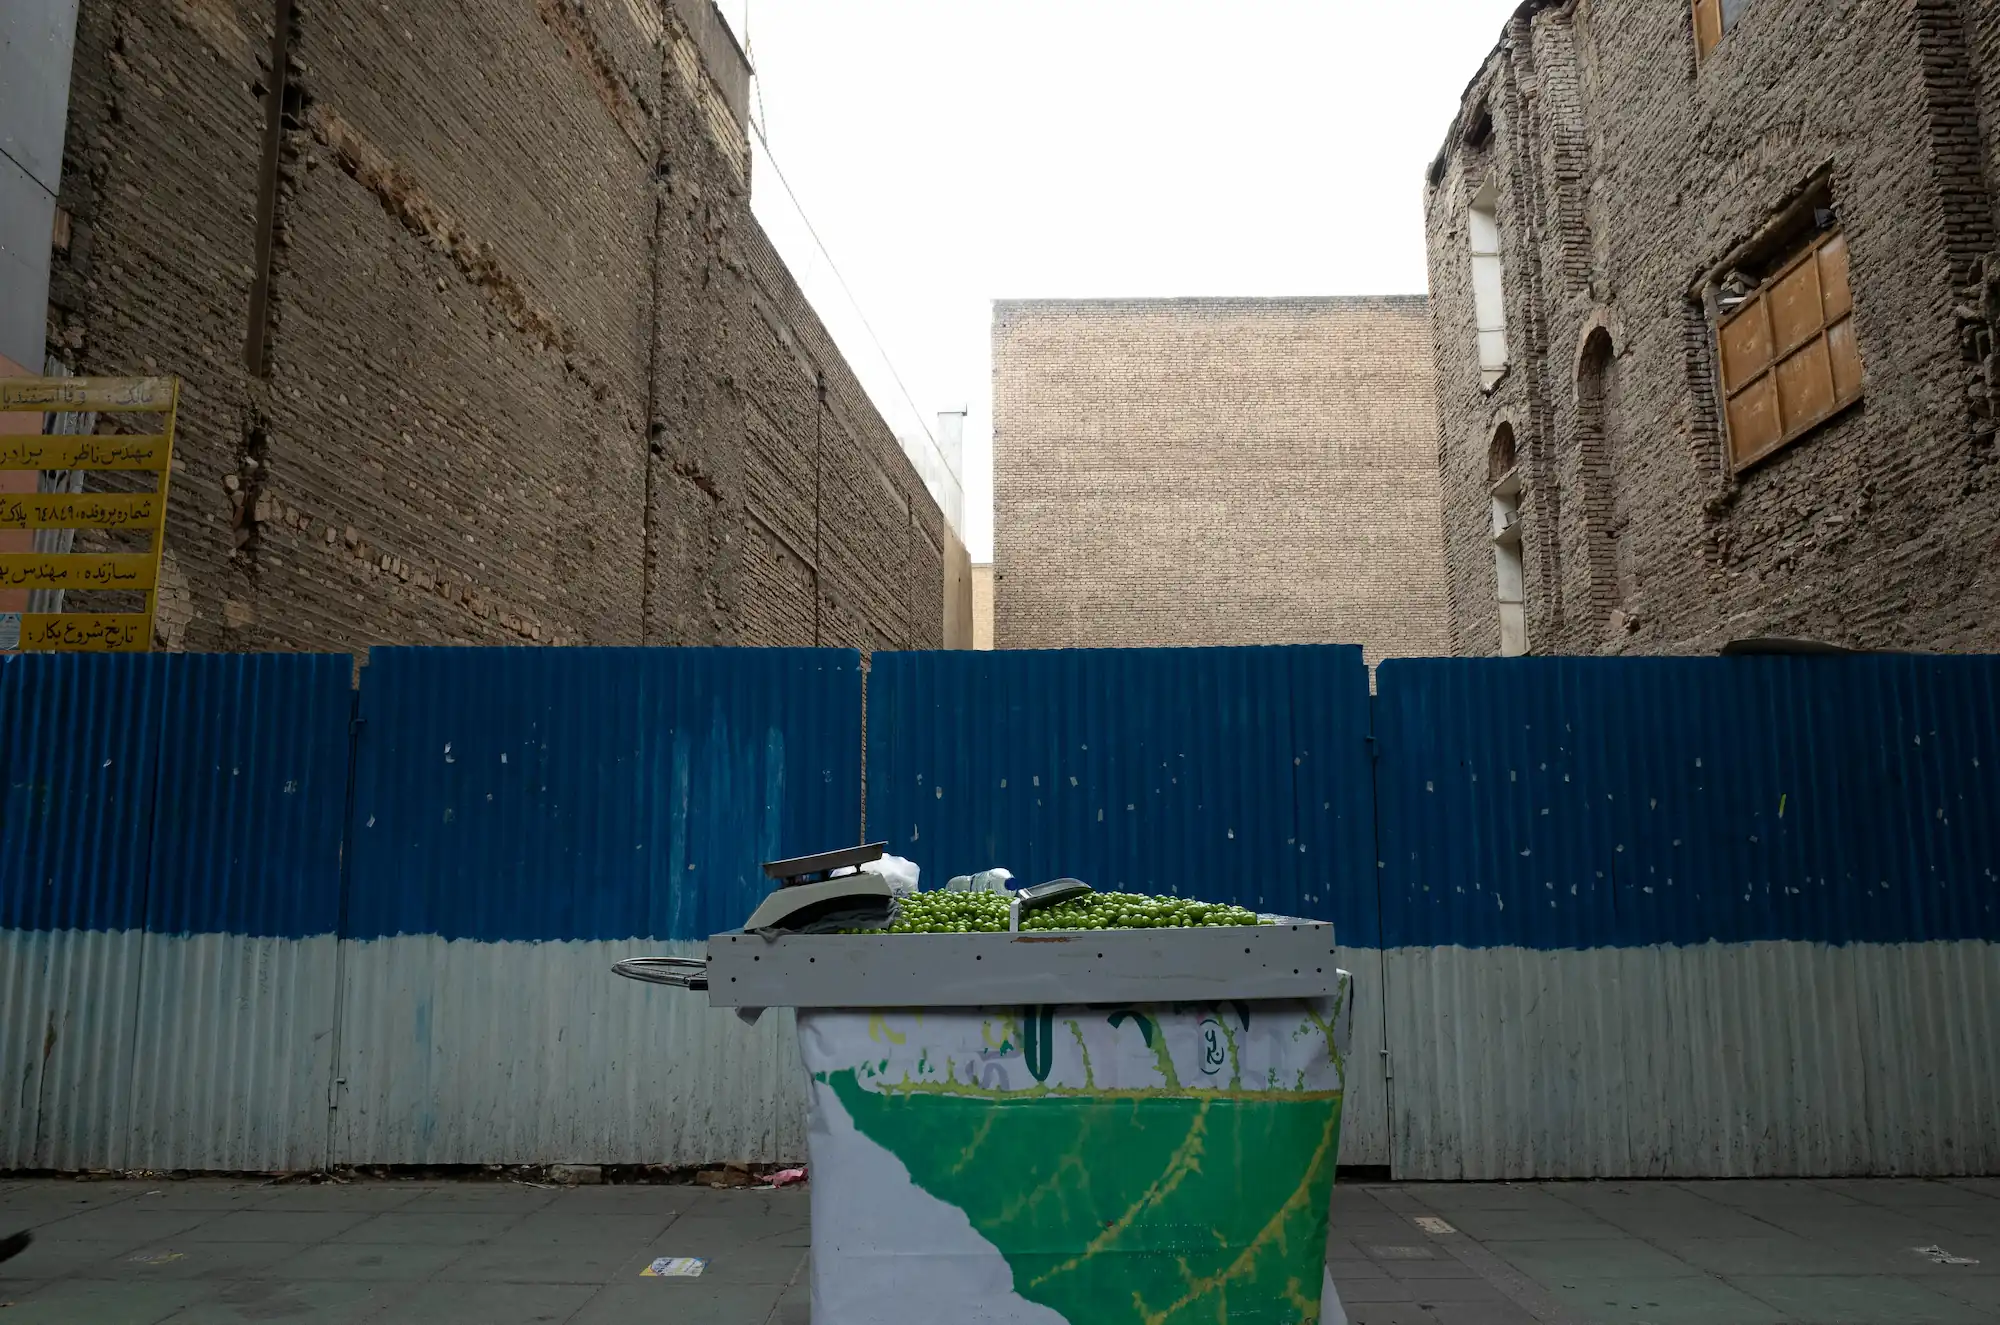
<point>1707,26</point>
<point>1789,356</point>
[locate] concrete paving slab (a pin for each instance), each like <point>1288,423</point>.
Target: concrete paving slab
<point>1981,1293</point>
<point>59,1258</point>
<point>124,1220</point>
<point>1479,1313</point>
<point>1552,1262</point>
<point>1911,1193</point>
<point>486,1304</point>
<point>1676,1301</point>
<point>557,1225</point>
<point>507,1253</point>
<point>1855,1300</point>
<point>323,1302</point>
<point>746,1265</point>
<point>363,1262</point>
<point>1766,1193</point>
<point>176,1259</point>
<point>274,1226</point>
<point>440,1227</point>
<point>632,1199</point>
<point>1425,1270</point>
<point>1491,1196</point>
<point>1380,1288</point>
<point>32,1206</point>
<point>1568,1225</point>
<point>373,1197</point>
<point>489,1196</point>
<point>1776,1254</point>
<point>673,1301</point>
<point>83,1302</point>
<point>1663,1225</point>
<point>1974,1221</point>
<point>1467,1289</point>
<point>1389,1313</point>
<point>198,1195</point>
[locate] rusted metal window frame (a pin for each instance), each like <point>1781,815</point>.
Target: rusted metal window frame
<point>1758,305</point>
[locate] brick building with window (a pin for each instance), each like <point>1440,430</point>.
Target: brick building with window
<point>1714,290</point>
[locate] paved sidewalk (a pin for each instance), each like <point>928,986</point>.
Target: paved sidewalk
<point>1658,1253</point>
<point>201,1252</point>
<point>1668,1253</point>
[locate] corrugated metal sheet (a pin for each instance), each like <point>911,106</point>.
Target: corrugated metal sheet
<point>79,749</point>
<point>1233,774</point>
<point>461,1052</point>
<point>1579,803</point>
<point>1691,917</point>
<point>233,1050</point>
<point>594,793</point>
<point>1717,1060</point>
<point>155,796</point>
<point>525,817</point>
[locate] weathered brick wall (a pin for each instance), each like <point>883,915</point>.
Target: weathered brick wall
<point>534,374</point>
<point>1215,471</point>
<point>1626,172</point>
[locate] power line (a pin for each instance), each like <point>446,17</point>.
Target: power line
<point>849,292</point>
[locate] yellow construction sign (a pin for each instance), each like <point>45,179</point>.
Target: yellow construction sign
<point>148,450</point>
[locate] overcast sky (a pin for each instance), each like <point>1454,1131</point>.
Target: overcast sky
<point>953,152</point>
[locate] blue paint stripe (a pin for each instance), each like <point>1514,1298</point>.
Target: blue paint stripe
<point>1578,803</point>
<point>252,795</point>
<point>1231,774</point>
<point>594,793</point>
<point>182,793</point>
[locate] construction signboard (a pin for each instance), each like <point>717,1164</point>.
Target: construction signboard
<point>43,506</point>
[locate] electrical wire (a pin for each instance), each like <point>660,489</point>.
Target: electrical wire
<point>848,290</point>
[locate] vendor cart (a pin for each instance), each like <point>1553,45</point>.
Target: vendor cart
<point>1095,1127</point>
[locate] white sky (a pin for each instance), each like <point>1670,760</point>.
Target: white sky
<point>953,152</point>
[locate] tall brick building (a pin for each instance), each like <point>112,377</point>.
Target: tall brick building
<point>1714,297</point>
<point>1215,471</point>
<point>521,365</point>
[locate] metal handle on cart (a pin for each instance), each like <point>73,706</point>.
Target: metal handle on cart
<point>679,972</point>
<point>1041,894</point>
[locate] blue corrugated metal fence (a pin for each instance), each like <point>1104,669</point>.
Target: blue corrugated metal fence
<point>1233,774</point>
<point>1586,803</point>
<point>155,811</point>
<point>1607,916</point>
<point>1698,917</point>
<point>525,817</point>
<point>534,794</point>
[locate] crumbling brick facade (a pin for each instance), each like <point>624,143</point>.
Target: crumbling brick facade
<point>1185,472</point>
<point>1647,192</point>
<point>533,372</point>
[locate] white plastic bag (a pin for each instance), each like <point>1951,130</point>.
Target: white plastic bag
<point>900,874</point>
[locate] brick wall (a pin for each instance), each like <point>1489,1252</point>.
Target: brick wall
<point>534,373</point>
<point>1215,471</point>
<point>1628,173</point>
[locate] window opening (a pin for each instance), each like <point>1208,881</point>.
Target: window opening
<point>1712,21</point>
<point>1787,346</point>
<point>1502,472</point>
<point>1488,295</point>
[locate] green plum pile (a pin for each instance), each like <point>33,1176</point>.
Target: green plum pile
<point>976,913</point>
